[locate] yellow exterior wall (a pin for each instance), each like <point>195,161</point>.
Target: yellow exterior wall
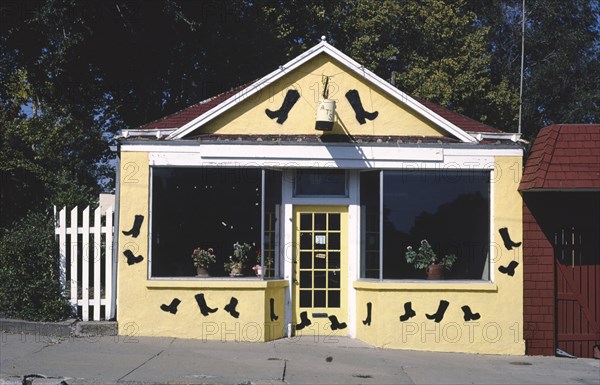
<point>139,299</point>
<point>249,118</point>
<point>500,303</point>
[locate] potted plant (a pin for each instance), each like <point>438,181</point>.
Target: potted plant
<point>239,259</point>
<point>258,269</point>
<point>202,260</point>
<point>426,259</point>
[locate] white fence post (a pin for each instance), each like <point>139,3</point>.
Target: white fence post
<point>85,266</point>
<point>97,251</point>
<point>74,258</point>
<point>62,247</point>
<point>109,281</point>
<point>78,267</point>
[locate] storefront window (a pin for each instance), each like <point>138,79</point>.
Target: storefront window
<point>450,209</point>
<point>272,223</point>
<point>370,223</point>
<point>209,208</point>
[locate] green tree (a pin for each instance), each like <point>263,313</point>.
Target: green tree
<point>562,46</point>
<point>53,127</point>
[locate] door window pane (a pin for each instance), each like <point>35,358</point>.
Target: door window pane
<point>320,279</point>
<point>334,298</point>
<point>305,298</point>
<point>305,260</point>
<point>320,298</point>
<point>320,221</point>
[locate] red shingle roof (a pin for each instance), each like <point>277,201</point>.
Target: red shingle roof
<point>180,118</point>
<point>463,122</point>
<point>565,156</point>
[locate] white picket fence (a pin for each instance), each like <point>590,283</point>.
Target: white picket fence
<point>88,266</point>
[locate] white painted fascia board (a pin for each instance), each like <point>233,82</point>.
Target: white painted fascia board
<point>157,133</point>
<point>265,149</point>
<point>513,137</point>
<point>354,66</point>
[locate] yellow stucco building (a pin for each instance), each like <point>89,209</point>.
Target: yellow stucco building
<point>321,176</point>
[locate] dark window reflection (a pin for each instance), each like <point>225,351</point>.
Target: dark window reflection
<point>320,182</point>
<point>369,203</point>
<point>202,207</point>
<point>448,208</point>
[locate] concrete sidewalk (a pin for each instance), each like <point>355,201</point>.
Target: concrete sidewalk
<point>306,360</point>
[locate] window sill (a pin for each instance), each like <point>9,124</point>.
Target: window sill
<point>441,285</point>
<point>214,283</point>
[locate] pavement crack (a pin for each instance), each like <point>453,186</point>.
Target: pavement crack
<point>145,362</point>
<point>284,369</point>
<point>407,375</point>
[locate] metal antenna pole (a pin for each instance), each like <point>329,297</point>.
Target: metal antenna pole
<point>522,65</point>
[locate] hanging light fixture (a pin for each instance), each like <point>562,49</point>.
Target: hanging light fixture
<point>325,109</point>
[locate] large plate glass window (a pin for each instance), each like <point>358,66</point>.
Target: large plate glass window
<point>450,209</point>
<point>370,223</point>
<point>213,208</point>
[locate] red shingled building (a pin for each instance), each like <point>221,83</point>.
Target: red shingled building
<point>561,214</point>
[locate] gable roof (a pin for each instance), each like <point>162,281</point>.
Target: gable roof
<point>183,123</point>
<point>564,157</point>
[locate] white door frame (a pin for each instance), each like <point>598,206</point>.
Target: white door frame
<point>352,201</point>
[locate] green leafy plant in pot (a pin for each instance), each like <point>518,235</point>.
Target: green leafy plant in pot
<point>426,259</point>
<point>202,260</point>
<point>238,261</point>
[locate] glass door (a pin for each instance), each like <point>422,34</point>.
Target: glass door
<point>320,270</point>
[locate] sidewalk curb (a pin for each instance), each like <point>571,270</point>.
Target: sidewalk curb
<point>68,328</point>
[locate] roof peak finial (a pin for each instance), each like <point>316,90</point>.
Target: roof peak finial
<point>323,38</point>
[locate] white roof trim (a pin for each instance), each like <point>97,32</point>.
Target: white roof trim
<point>360,70</point>
<point>496,135</point>
<point>158,133</point>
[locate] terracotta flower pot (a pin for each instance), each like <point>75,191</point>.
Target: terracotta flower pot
<point>201,272</point>
<point>237,270</point>
<point>435,271</point>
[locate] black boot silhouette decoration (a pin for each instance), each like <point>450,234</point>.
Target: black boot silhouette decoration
<point>272,308</point>
<point>508,243</point>
<point>132,259</point>
<point>510,269</point>
<point>354,100</point>
<point>304,321</point>
<point>204,309</point>
<point>172,307</point>
<point>137,225</point>
<point>335,324</point>
<point>230,307</point>
<point>368,320</point>
<point>470,316</point>
<point>439,315</point>
<point>408,312</point>
<point>291,97</point>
